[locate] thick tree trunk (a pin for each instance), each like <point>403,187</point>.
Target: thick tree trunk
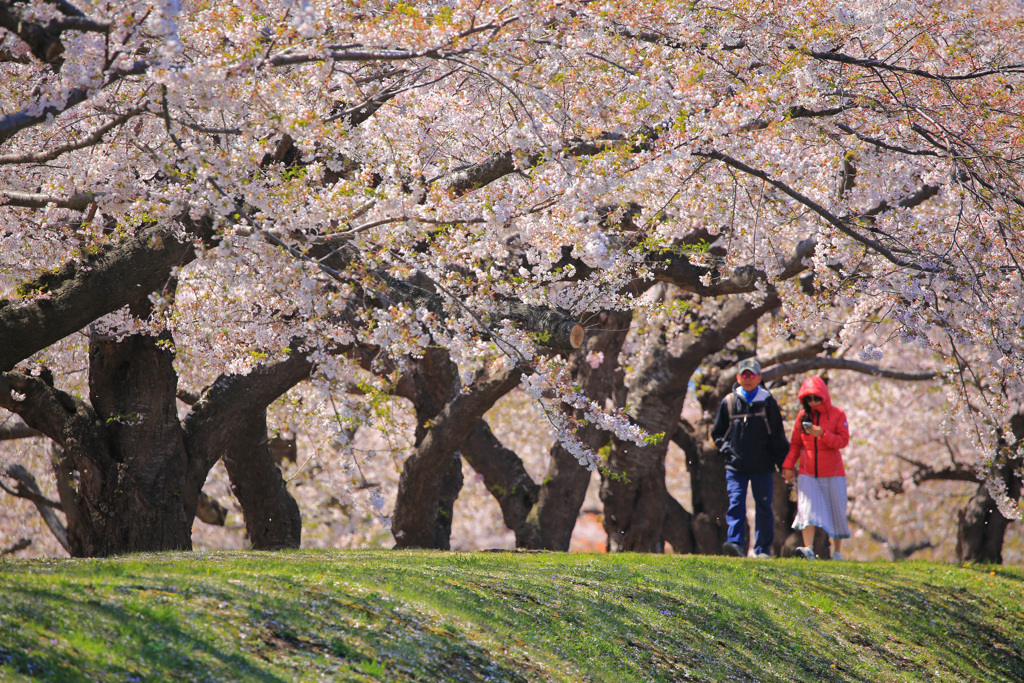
<point>230,421</point>
<point>550,524</point>
<point>132,388</point>
<point>679,526</point>
<point>552,519</point>
<point>435,381</point>
<point>448,493</point>
<point>982,528</point>
<point>129,476</point>
<point>429,484</point>
<point>634,497</point>
<point>272,517</point>
<point>543,517</point>
<point>708,491</point>
<point>633,489</point>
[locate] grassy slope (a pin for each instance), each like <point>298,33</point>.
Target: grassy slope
<point>400,616</point>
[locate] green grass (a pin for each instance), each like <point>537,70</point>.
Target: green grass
<point>431,616</point>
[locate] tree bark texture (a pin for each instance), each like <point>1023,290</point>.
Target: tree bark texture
<point>435,382</point>
<point>707,486</point>
<point>128,474</point>
<point>504,476</point>
<point>981,529</point>
<point>543,516</point>
<point>133,388</point>
<point>79,293</point>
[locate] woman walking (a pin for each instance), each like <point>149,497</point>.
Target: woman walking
<point>820,431</point>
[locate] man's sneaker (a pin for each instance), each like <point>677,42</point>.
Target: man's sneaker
<point>805,553</point>
<point>836,555</point>
<point>730,548</point>
<point>763,556</point>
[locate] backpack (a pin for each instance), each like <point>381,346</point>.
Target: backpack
<point>730,405</point>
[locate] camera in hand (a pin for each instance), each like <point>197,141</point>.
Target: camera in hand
<point>807,426</point>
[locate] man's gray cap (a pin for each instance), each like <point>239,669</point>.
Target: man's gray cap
<point>748,364</point>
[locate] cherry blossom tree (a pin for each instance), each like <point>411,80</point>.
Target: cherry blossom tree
<point>223,201</point>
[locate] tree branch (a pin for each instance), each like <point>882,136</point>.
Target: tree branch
<point>21,544</point>
<point>885,145</point>
<point>40,157</point>
<point>424,470</point>
<point>28,489</point>
<point>930,474</point>
<point>12,124</point>
<point>824,213</point>
<point>885,66</point>
<point>504,475</point>
<point>15,428</point>
<point>499,164</point>
<point>229,401</point>
<point>677,269</point>
<point>42,407</point>
<point>44,39</point>
<point>819,363</point>
<point>80,292</point>
<point>79,201</point>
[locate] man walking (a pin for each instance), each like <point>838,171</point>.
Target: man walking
<point>751,436</point>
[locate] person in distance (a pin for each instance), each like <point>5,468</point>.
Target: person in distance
<point>751,436</point>
<point>820,432</point>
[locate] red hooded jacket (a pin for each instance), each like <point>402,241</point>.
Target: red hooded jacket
<point>819,456</point>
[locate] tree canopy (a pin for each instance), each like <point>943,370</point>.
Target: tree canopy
<point>271,191</point>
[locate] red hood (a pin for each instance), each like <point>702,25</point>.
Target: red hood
<point>816,386</point>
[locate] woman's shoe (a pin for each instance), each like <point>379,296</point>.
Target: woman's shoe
<point>805,553</point>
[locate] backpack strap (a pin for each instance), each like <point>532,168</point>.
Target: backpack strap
<point>730,406</point>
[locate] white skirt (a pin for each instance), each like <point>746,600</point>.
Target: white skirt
<point>821,501</point>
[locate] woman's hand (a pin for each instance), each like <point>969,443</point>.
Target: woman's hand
<point>816,431</point>
<point>788,475</point>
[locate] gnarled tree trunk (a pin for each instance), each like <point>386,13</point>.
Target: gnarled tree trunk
<point>145,506</point>
<point>432,475</point>
<point>230,421</point>
<point>633,491</point>
<point>982,527</point>
<point>550,523</point>
<point>129,474</point>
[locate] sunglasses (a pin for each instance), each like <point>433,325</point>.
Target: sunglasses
<point>748,373</point>
<point>814,399</point>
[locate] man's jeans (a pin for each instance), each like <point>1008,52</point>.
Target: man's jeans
<point>764,522</point>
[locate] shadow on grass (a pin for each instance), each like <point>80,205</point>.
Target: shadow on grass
<point>938,620</point>
<point>348,625</point>
<point>650,633</point>
<point>464,617</point>
<point>149,645</point>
